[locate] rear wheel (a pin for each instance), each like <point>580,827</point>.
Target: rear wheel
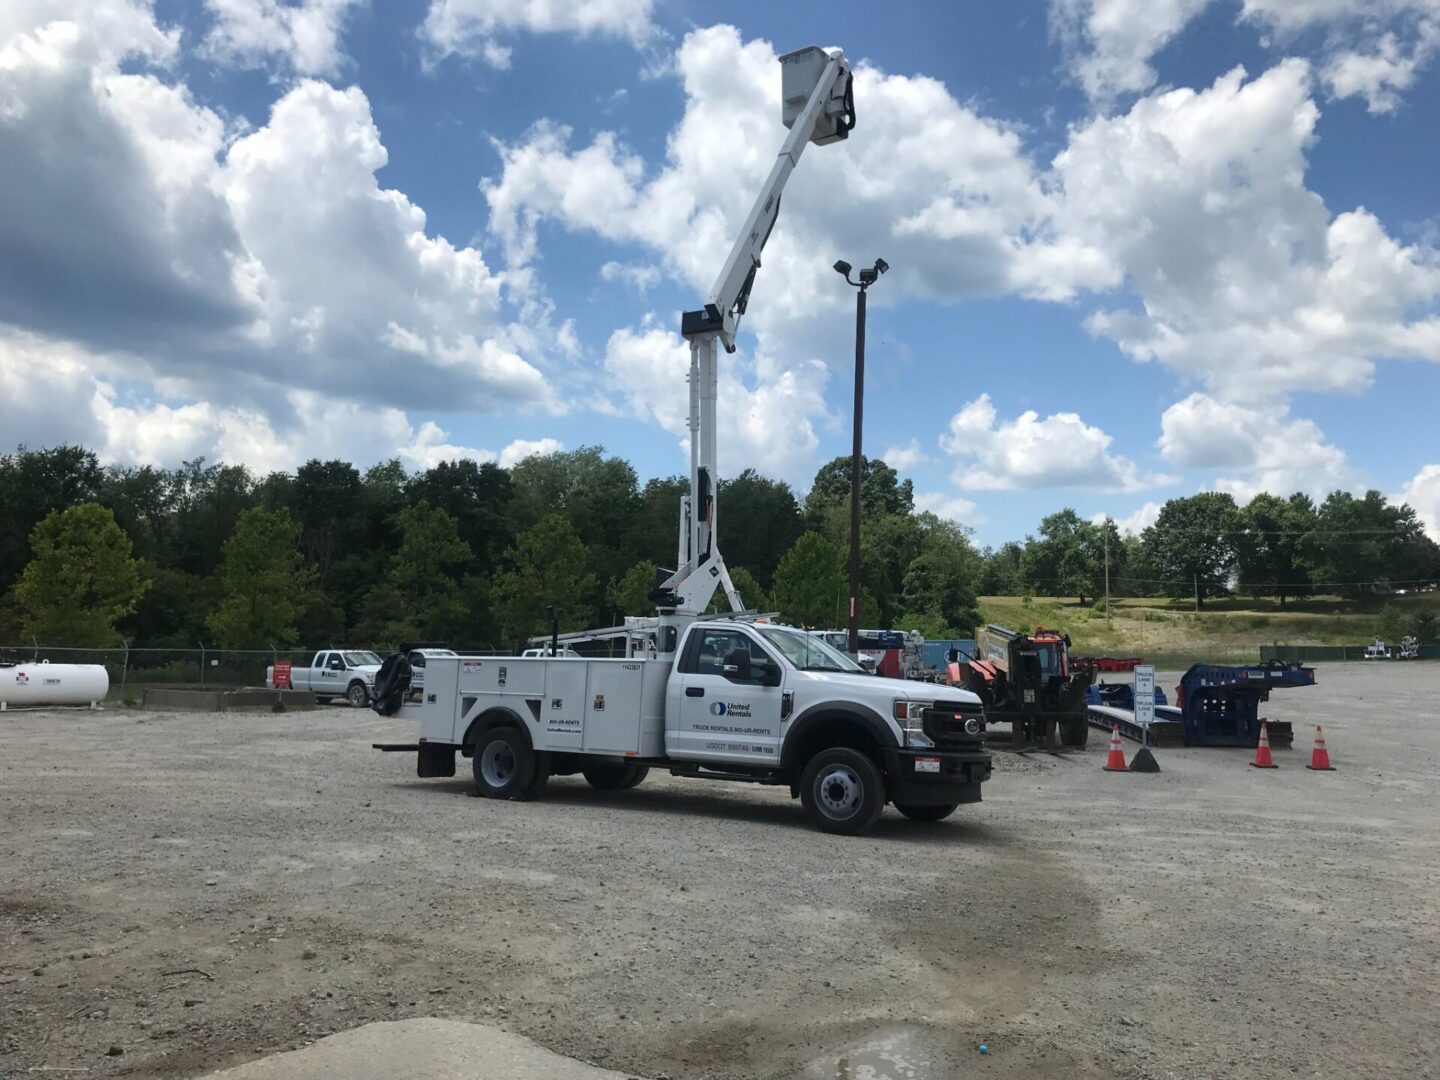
<point>504,764</point>
<point>926,813</point>
<point>842,791</point>
<point>614,777</point>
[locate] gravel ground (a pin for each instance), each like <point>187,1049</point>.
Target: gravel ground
<point>1211,921</point>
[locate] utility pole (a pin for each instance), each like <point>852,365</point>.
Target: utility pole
<point>857,460</point>
<point>1106,527</point>
<point>1197,594</point>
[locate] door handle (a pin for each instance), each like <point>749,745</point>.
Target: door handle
<point>694,691</point>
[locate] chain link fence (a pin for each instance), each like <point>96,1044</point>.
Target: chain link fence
<point>132,669</point>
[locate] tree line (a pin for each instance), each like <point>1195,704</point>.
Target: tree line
<point>1210,545</point>
<point>479,555</point>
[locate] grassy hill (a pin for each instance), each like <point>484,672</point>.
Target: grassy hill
<point>1229,629</point>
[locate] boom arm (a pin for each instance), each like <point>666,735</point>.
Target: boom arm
<point>818,106</point>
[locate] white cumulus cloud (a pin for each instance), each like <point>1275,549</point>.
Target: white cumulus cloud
<point>768,424</point>
<point>220,279</point>
<point>1423,493</point>
<point>1257,448</point>
<point>1029,452</point>
<point>950,507</point>
<point>304,36</point>
<point>476,28</point>
<point>1368,48</point>
<point>1244,278</point>
<point>906,457</point>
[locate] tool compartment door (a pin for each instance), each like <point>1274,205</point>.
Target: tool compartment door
<point>613,707</point>
<point>562,709</point>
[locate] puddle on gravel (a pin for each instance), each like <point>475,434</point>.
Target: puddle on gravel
<point>897,1054</point>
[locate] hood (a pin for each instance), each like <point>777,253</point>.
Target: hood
<point>881,687</point>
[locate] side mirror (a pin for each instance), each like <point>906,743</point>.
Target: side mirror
<point>768,671</point>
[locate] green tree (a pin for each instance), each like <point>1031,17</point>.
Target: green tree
<point>1366,544</point>
<point>881,490</point>
<point>34,483</point>
<point>1003,571</point>
<point>630,595</point>
<point>420,596</point>
<point>547,569</point>
<point>1192,544</point>
<point>811,584</point>
<point>941,583</point>
<point>1268,550</point>
<point>1068,557</point>
<point>81,580</point>
<point>751,594</point>
<point>759,521</point>
<point>265,582</point>
<point>597,495</point>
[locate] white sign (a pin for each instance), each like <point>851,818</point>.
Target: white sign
<point>1145,696</point>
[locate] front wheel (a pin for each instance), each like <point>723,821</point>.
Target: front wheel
<point>504,764</point>
<point>842,791</point>
<point>927,813</point>
<point>357,695</point>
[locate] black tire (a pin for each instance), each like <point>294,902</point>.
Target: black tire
<point>927,813</point>
<point>536,788</point>
<point>323,700</point>
<point>357,695</point>
<point>1075,732</point>
<point>637,773</point>
<point>842,791</point>
<point>609,777</point>
<point>504,764</point>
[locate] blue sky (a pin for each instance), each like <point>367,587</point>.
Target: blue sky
<point>1140,247</point>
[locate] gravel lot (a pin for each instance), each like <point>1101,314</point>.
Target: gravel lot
<point>1212,921</point>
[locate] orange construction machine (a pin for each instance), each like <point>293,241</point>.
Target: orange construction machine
<point>1028,682</point>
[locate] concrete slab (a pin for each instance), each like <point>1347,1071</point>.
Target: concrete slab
<point>193,699</point>
<point>425,1046</point>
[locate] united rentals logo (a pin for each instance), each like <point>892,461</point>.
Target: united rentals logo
<point>730,708</point>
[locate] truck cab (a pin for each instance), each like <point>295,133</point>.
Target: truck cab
<point>762,703</point>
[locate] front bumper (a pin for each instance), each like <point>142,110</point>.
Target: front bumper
<point>935,777</point>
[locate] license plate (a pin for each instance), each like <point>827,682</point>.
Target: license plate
<point>1029,697</point>
<point>927,764</point>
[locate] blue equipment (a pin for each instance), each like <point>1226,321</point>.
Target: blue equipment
<point>1220,704</point>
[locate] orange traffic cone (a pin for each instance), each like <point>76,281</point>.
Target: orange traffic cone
<point>1262,750</point>
<point>1320,757</point>
<point>1116,761</point>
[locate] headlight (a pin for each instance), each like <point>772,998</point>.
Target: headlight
<point>972,726</point>
<point>910,716</point>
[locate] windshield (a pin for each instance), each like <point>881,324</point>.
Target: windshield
<point>808,652</point>
<point>358,659</point>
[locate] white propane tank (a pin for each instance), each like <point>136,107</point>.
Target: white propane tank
<point>52,684</point>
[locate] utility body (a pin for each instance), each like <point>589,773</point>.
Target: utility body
<point>744,701</point>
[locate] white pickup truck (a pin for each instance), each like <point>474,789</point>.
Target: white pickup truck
<point>347,673</point>
<point>728,700</point>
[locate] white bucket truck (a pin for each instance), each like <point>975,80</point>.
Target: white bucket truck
<point>731,698</point>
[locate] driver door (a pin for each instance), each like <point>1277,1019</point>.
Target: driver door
<point>727,712</point>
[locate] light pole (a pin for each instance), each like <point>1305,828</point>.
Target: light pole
<point>857,462</point>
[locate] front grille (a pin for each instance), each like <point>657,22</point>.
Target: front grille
<point>945,726</point>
